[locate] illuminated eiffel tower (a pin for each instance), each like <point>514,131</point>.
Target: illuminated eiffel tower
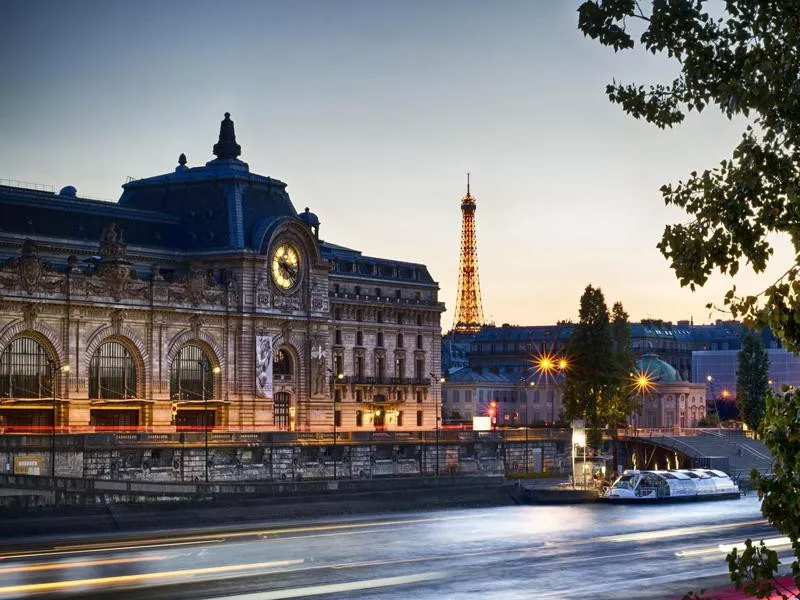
<point>469,311</point>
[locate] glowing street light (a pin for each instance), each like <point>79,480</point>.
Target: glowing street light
<point>726,394</point>
<point>643,382</point>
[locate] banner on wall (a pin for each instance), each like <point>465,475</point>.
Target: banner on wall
<point>264,366</point>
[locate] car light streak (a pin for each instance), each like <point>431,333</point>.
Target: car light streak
<point>51,586</point>
<point>338,588</point>
<point>66,552</point>
<point>697,552</point>
<point>80,564</point>
<point>770,543</point>
<point>660,534</point>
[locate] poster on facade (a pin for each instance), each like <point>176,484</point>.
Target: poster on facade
<point>28,464</point>
<point>264,366</point>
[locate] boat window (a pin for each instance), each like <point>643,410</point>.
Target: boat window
<point>624,482</point>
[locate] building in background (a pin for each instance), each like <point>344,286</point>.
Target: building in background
<point>717,371</point>
<point>666,400</point>
<point>511,353</point>
<point>203,299</point>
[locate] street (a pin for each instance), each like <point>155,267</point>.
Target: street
<point>581,551</point>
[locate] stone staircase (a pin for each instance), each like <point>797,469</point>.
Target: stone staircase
<point>718,447</point>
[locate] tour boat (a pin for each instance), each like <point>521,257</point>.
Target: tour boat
<point>673,485</point>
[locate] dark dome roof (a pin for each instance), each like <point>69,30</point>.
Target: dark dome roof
<point>657,369</point>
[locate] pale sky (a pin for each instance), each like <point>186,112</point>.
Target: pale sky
<point>372,112</point>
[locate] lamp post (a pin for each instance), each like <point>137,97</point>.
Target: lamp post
<point>710,380</point>
<point>438,417</point>
<point>527,426</point>
<point>205,366</point>
<point>54,380</point>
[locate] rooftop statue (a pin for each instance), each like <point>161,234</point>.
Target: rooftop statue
<point>226,147</point>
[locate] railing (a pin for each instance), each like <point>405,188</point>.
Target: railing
<point>362,380</point>
<point>39,187</point>
<point>382,299</point>
<point>169,437</point>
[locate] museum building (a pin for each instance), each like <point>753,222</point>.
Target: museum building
<point>202,298</point>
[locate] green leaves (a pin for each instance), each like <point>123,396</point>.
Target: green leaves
<point>746,64</point>
<point>597,386</point>
<point>754,569</point>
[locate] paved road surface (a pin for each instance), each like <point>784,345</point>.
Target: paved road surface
<point>583,551</point>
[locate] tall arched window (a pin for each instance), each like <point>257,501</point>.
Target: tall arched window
<point>112,373</point>
<point>25,370</point>
<point>191,375</point>
<point>282,364</point>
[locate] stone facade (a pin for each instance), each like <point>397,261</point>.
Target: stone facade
<point>206,258</point>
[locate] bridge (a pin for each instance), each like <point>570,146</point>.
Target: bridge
<point>729,450</point>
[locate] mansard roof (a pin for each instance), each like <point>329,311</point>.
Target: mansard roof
<point>351,263</point>
<point>218,206</point>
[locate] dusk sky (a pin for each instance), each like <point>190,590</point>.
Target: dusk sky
<point>373,112</point>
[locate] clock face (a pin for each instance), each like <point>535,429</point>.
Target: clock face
<point>286,266</point>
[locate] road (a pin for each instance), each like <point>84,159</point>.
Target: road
<point>519,552</point>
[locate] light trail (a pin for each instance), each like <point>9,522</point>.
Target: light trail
<point>660,534</point>
<point>52,586</point>
<point>82,563</point>
<point>34,554</point>
<point>780,542</point>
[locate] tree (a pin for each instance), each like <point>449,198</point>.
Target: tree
<point>745,61</point>
<point>597,386</point>
<point>752,381</point>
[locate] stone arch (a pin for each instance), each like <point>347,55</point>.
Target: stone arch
<point>202,339</point>
<point>41,332</point>
<point>295,356</point>
<point>129,338</point>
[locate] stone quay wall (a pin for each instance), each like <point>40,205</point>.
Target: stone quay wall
<point>176,458</point>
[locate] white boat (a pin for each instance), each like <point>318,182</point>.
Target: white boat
<point>673,485</point>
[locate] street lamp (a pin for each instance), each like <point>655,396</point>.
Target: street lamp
<point>710,380</point>
<point>205,366</point>
<point>54,380</point>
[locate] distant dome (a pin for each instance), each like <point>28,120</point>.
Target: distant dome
<point>68,191</point>
<point>657,369</point>
<point>309,218</point>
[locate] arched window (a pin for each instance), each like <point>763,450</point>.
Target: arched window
<point>25,370</point>
<point>399,340</point>
<point>282,364</point>
<point>191,375</point>
<point>112,373</point>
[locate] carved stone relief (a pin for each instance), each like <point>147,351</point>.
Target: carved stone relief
<point>30,273</point>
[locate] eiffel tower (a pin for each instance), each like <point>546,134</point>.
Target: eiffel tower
<point>469,311</point>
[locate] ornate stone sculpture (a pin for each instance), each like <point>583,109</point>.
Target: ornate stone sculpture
<point>29,273</point>
<point>112,242</point>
